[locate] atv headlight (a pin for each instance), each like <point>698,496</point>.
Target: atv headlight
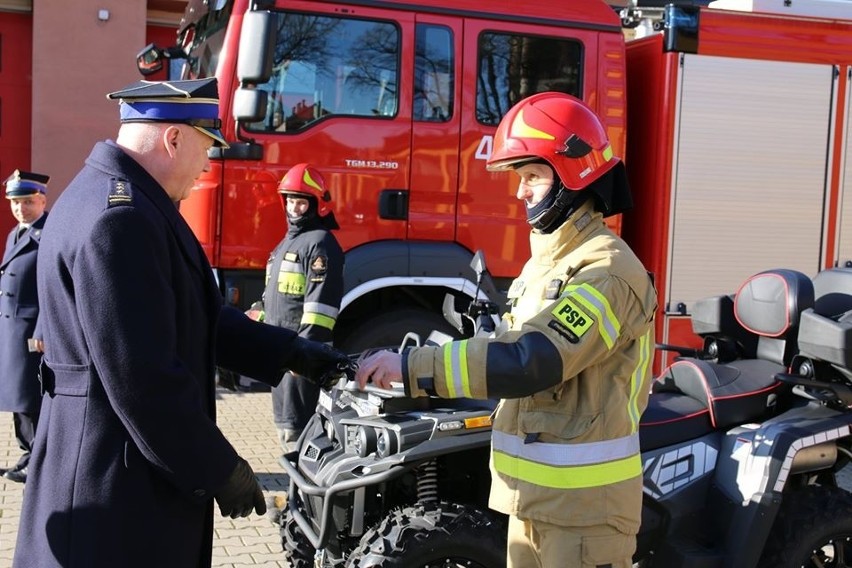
<point>364,441</point>
<point>385,443</point>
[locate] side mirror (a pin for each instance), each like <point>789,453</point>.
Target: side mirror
<point>477,263</point>
<point>250,104</point>
<point>152,58</point>
<point>257,44</point>
<point>149,60</point>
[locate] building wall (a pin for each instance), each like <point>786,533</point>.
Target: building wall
<point>77,59</point>
<point>76,55</point>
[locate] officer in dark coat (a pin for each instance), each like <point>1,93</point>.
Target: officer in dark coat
<point>19,387</point>
<point>128,460</point>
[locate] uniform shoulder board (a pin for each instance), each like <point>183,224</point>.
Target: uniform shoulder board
<point>120,193</point>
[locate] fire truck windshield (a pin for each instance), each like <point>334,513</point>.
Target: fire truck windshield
<point>202,41</point>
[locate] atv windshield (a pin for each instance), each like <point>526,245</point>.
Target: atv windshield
<point>202,37</point>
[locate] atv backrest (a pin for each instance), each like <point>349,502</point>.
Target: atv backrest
<point>769,305</point>
<point>833,292</point>
<point>825,332</point>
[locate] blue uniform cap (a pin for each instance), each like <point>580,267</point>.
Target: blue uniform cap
<point>22,184</point>
<point>194,102</point>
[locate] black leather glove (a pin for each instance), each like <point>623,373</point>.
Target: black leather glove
<point>317,362</point>
<point>241,493</point>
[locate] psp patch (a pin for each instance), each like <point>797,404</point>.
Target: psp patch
<point>569,314</point>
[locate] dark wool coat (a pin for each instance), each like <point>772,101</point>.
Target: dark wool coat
<point>127,455</point>
<point>19,386</point>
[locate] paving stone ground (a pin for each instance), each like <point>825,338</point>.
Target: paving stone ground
<point>246,420</point>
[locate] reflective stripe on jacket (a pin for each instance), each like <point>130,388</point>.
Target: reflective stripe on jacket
<point>573,371</point>
<point>304,283</point>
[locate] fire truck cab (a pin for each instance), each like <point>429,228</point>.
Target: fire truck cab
<point>396,103</point>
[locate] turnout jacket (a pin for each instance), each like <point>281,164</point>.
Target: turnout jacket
<point>573,371</point>
<point>19,386</point>
<point>304,282</point>
<point>127,456</point>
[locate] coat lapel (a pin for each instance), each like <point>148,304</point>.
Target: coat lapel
<point>33,234</point>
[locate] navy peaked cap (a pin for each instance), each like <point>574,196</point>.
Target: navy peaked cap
<point>194,102</point>
<point>22,184</point>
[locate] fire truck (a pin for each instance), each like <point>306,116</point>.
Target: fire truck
<point>733,120</point>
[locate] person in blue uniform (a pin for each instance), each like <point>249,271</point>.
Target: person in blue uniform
<point>128,460</point>
<point>304,287</point>
<point>20,393</point>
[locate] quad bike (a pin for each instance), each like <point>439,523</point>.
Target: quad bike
<point>741,443</point>
<point>379,479</point>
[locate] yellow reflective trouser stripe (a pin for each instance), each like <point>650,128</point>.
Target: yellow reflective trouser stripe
<point>568,477</point>
<point>455,369</point>
<point>594,301</point>
<point>291,283</point>
<point>637,379</point>
<point>321,320</point>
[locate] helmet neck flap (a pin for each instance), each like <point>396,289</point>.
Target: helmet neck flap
<point>559,203</point>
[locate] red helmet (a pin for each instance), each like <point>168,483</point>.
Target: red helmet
<point>559,129</point>
<point>305,181</point>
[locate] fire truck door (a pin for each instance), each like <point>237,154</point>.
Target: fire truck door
<point>435,116</point>
<point>504,62</point>
<point>337,99</point>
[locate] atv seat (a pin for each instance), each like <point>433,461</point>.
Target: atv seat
<point>721,395</point>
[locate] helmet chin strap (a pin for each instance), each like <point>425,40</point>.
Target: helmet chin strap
<point>549,213</point>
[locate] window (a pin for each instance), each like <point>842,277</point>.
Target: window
<point>202,41</point>
<point>325,66</point>
<point>512,67</point>
<point>433,74</point>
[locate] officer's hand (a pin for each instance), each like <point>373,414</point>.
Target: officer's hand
<point>318,362</point>
<point>380,369</point>
<point>241,493</point>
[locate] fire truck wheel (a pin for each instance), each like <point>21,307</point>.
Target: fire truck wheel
<point>298,552</point>
<point>388,329</point>
<point>813,529</point>
<point>445,535</point>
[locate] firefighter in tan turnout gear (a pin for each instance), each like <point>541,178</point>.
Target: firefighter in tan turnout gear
<point>574,367</point>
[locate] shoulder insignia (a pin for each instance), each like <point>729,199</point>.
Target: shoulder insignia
<point>319,264</point>
<point>572,317</point>
<point>554,288</point>
<point>516,290</point>
<point>120,193</point>
<point>291,257</point>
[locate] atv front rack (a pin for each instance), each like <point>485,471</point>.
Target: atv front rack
<point>319,539</point>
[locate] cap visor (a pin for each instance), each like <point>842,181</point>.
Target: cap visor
<point>215,135</point>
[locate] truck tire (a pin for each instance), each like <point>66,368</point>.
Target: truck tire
<point>298,552</point>
<point>388,329</point>
<point>813,529</point>
<point>448,535</point>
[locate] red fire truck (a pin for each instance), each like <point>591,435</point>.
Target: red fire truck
<point>733,121</point>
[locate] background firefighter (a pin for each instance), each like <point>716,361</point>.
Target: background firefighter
<point>304,286</point>
<point>572,361</point>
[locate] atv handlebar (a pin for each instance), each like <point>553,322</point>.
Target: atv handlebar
<point>396,392</point>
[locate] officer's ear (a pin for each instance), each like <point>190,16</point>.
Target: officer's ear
<point>171,139</point>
